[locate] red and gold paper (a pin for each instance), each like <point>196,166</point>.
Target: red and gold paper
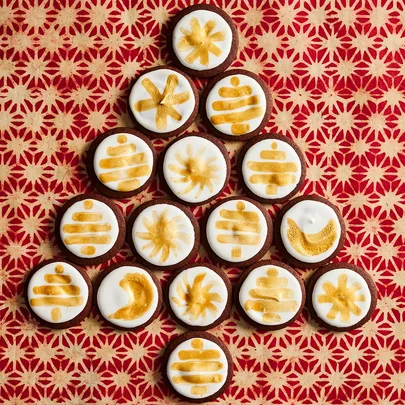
<point>336,70</point>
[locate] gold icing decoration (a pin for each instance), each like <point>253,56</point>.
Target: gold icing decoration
<point>234,98</point>
<point>343,299</point>
<point>58,292</point>
<point>163,102</point>
<point>312,244</point>
<point>200,41</point>
<point>140,297</point>
<point>196,298</point>
<point>88,230</point>
<point>198,361</point>
<point>164,235</point>
<point>129,164</point>
<point>244,226</point>
<point>195,170</point>
<point>271,296</point>
<point>275,173</point>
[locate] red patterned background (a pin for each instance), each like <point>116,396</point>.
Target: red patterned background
<point>336,70</point>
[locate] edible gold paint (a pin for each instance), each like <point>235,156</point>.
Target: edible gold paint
<point>343,299</point>
<point>88,204</point>
<point>140,297</point>
<point>87,239</point>
<point>88,250</point>
<point>196,298</point>
<point>195,169</point>
<point>59,269</point>
<point>275,173</point>
<point>53,301</point>
<point>121,150</point>
<point>205,363</point>
<point>122,161</point>
<point>163,102</point>
<point>57,290</point>
<point>200,41</point>
<point>87,216</point>
<point>56,314</point>
<point>58,278</point>
<point>198,378</point>
<point>122,138</point>
<point>163,235</point>
<point>268,297</point>
<point>312,244</point>
<point>85,228</point>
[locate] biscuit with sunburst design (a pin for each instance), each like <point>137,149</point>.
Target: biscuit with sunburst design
<point>163,233</point>
<point>196,168</point>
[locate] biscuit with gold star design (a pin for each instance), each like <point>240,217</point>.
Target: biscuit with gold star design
<point>341,296</point>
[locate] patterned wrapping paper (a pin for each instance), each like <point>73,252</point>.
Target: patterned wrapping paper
<point>336,70</point>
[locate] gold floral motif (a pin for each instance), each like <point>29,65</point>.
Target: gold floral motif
<point>200,41</point>
<point>163,102</point>
<point>312,244</point>
<point>196,298</point>
<point>195,169</point>
<point>343,299</point>
<point>163,234</point>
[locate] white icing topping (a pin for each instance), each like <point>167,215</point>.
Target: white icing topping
<point>89,236</point>
<point>175,372</point>
<point>271,172</point>
<point>198,296</point>
<point>163,234</point>
<point>57,299</point>
<point>228,118</point>
<point>268,285</point>
<point>121,291</point>
<point>236,230</point>
<point>194,169</point>
<point>332,303</point>
<point>312,217</point>
<point>179,100</point>
<point>123,166</point>
<point>216,46</point>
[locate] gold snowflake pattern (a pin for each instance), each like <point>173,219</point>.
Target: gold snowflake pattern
<point>163,234</point>
<point>163,102</point>
<point>343,299</point>
<point>197,297</point>
<point>195,170</point>
<point>200,41</point>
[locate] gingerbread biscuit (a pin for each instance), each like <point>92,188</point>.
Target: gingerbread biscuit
<point>163,234</point>
<point>89,229</point>
<point>236,105</point>
<point>199,296</point>
<point>58,293</point>
<point>203,40</point>
<point>163,102</point>
<point>121,163</point>
<point>128,296</point>
<point>195,168</point>
<point>341,296</point>
<point>269,295</point>
<point>237,231</point>
<point>197,366</point>
<point>271,168</point>
<point>309,231</point>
